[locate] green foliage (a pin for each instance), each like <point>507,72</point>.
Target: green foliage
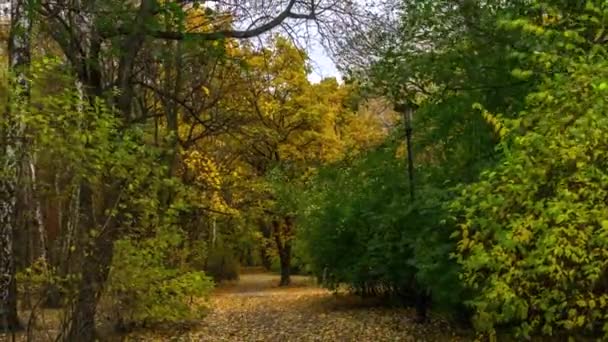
<point>222,264</point>
<point>531,231</point>
<point>84,143</point>
<point>147,288</point>
<point>533,237</point>
<point>443,49</point>
<point>360,228</point>
<point>35,281</point>
<point>510,153</point>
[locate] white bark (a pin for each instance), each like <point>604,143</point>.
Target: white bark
<point>7,222</point>
<point>73,219</point>
<point>12,135</point>
<point>57,248</point>
<point>38,220</point>
<point>72,224</point>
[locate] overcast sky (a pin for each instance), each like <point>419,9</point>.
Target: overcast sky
<point>322,66</point>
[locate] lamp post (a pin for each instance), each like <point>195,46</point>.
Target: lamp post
<point>407,110</point>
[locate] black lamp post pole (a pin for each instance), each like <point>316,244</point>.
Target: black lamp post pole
<point>407,110</point>
<point>410,157</point>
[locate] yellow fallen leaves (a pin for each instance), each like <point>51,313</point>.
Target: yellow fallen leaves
<point>256,310</point>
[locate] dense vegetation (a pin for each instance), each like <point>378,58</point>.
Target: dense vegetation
<point>151,148</point>
<point>509,217</point>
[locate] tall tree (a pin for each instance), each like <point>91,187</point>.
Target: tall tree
<point>13,132</point>
<point>289,128</point>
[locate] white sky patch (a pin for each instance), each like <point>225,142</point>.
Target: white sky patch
<point>322,65</point>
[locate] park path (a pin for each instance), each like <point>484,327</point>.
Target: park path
<point>255,309</point>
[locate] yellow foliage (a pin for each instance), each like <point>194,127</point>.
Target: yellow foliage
<point>208,177</point>
<point>278,116</point>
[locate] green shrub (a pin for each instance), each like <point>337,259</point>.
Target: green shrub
<point>222,264</point>
<point>360,228</point>
<point>146,288</point>
<point>533,240</point>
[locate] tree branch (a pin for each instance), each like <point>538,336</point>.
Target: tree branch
<point>239,34</point>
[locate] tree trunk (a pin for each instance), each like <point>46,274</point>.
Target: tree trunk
<point>66,243</point>
<point>64,259</point>
<point>266,246</point>
<point>266,260</point>
<point>98,258</point>
<point>285,257</point>
<point>172,80</point>
<point>9,319</point>
<point>422,303</point>
<point>53,295</point>
<point>95,270</point>
<point>282,238</point>
<point>19,62</point>
<point>37,219</point>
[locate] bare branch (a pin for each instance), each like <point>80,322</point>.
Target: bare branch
<point>287,13</point>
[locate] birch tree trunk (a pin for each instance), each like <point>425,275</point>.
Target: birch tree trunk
<point>38,220</point>
<point>12,135</point>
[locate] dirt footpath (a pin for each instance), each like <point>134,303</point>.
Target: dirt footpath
<point>255,309</point>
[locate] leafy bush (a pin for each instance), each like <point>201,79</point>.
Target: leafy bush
<point>533,239</point>
<point>36,281</point>
<point>360,228</point>
<point>145,288</point>
<point>222,264</point>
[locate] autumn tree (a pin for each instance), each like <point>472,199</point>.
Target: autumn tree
<point>288,128</point>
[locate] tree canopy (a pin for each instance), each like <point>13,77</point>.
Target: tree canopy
<point>151,149</point>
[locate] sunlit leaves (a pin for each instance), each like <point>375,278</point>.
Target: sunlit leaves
<point>541,229</point>
<point>144,287</point>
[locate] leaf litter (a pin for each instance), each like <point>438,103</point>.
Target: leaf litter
<point>255,309</point>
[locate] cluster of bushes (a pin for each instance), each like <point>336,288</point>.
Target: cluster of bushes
<point>359,227</point>
<point>150,284</point>
<point>533,231</point>
<point>222,264</point>
<point>521,244</point>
